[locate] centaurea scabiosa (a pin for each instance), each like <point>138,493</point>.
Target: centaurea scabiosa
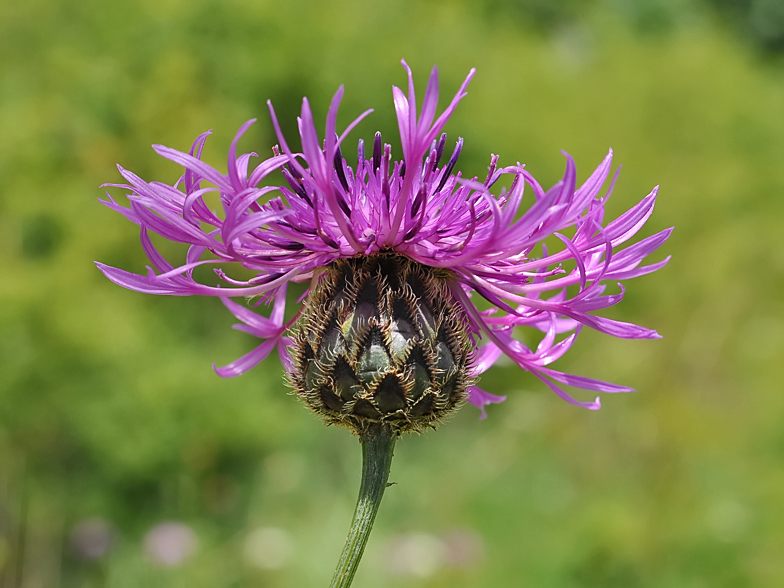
<point>396,253</point>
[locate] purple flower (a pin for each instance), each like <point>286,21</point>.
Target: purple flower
<point>295,213</point>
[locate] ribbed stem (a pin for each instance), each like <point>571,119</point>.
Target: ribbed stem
<point>378,444</point>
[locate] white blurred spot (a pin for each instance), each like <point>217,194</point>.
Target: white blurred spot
<point>728,520</point>
<point>463,549</point>
<point>91,539</point>
<point>170,544</point>
<point>574,46</point>
<point>415,554</point>
<point>269,548</point>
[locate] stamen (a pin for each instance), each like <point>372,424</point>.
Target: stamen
<point>462,245</point>
<point>294,171</point>
<point>419,202</point>
<point>429,167</point>
<point>324,237</point>
<point>343,205</point>
<point>292,246</point>
<point>492,176</point>
<point>296,185</point>
<point>384,169</point>
<point>439,150</point>
<point>377,151</point>
<point>420,198</point>
<point>447,171</point>
<point>339,168</point>
<point>360,155</point>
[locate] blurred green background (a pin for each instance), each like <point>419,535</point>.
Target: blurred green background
<point>125,461</point>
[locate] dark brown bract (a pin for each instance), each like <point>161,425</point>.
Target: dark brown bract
<point>382,340</point>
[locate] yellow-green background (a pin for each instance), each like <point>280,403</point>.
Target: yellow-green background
<point>108,403</point>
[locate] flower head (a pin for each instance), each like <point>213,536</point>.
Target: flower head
<point>311,217</point>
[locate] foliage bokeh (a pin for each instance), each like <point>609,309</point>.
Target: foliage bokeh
<point>109,407</point>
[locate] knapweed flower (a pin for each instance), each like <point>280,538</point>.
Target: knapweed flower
<point>396,254</point>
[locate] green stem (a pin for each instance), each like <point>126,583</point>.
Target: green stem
<point>378,444</point>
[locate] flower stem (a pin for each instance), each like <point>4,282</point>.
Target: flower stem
<point>378,443</point>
